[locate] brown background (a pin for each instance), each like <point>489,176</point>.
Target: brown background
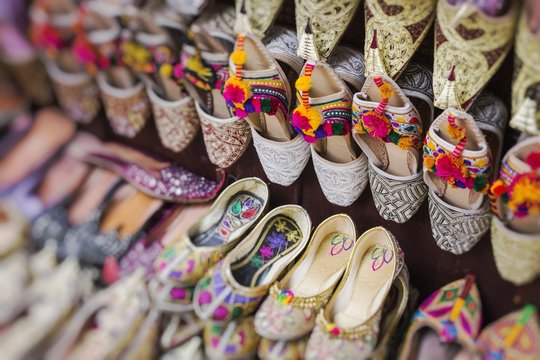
<point>430,267</point>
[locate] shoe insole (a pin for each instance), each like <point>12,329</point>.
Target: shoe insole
<point>401,162</point>
<point>337,149</point>
<point>240,210</point>
<point>183,221</point>
<point>120,77</point>
<point>278,238</point>
<point>430,347</point>
<point>91,195</point>
<point>128,215</point>
<point>373,275</point>
<point>330,257</point>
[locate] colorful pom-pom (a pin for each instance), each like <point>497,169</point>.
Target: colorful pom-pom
<point>236,92</point>
<point>285,297</point>
<point>386,91</point>
<point>166,70</point>
<point>239,57</point>
<point>333,329</point>
<point>455,132</point>
<point>303,83</point>
<point>533,159</point>
<point>406,142</point>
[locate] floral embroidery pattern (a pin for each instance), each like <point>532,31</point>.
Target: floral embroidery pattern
<point>457,170</point>
<point>519,192</point>
<point>405,133</point>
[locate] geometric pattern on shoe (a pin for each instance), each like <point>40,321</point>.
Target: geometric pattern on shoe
<point>457,231</point>
<point>396,200</point>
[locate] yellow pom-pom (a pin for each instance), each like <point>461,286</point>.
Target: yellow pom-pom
<point>303,83</point>
<point>315,118</point>
<point>386,91</point>
<point>359,128</point>
<point>166,70</point>
<point>455,132</point>
<point>406,143</point>
<point>239,57</point>
<point>429,162</point>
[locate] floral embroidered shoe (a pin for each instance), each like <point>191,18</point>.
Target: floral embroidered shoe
<point>258,90</point>
<point>515,229</point>
<point>514,336</point>
<point>232,215</point>
<point>323,117</point>
<point>349,325</point>
<point>180,328</point>
<point>446,324</point>
<point>282,350</point>
<point>458,168</point>
<point>473,44</point>
<point>205,66</point>
<point>232,340</point>
<point>320,26</point>
<point>237,284</point>
<point>401,26</point>
<point>289,311</point>
<point>390,130</point>
<point>525,87</point>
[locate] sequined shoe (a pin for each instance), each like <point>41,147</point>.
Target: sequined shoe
<point>390,130</point>
<point>514,336</point>
<point>323,117</point>
<point>232,215</point>
<point>289,312</point>
<point>446,324</point>
<point>237,284</point>
<point>267,102</point>
<point>515,228</point>
<point>234,340</point>
<point>352,324</point>
<point>458,167</point>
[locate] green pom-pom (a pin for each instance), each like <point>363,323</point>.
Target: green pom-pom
<point>394,137</point>
<point>338,128</point>
<point>265,105</point>
<point>480,183</point>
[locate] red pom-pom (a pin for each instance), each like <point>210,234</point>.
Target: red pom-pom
<point>533,159</point>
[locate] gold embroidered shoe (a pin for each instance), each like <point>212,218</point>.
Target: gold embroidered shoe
<point>526,84</point>
<point>289,311</point>
<point>390,130</point>
<point>458,168</point>
<point>400,25</point>
<point>232,215</point>
<point>258,91</point>
<point>237,284</point>
<point>234,340</point>
<point>472,43</point>
<point>321,24</point>
<point>352,323</point>
<point>323,117</point>
<point>446,324</point>
<point>256,16</point>
<point>514,336</point>
<point>282,350</point>
<point>515,229</point>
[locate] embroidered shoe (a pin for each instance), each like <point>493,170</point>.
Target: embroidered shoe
<point>401,27</point>
<point>323,117</point>
<point>446,324</point>
<point>473,45</point>
<point>261,75</point>
<point>515,228</point>
<point>232,215</point>
<point>514,336</point>
<point>232,340</point>
<point>458,168</point>
<point>282,350</point>
<point>289,311</point>
<point>389,130</point>
<point>352,323</point>
<point>237,284</point>
<point>256,16</point>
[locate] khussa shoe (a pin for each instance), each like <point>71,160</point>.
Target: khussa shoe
<point>205,66</point>
<point>232,215</point>
<point>260,76</point>
<point>446,325</point>
<point>389,130</point>
<point>180,328</point>
<point>237,284</point>
<point>458,168</point>
<point>323,117</point>
<point>233,340</point>
<point>515,228</point>
<point>255,16</point>
<point>352,324</point>
<point>289,312</point>
<point>473,42</point>
<point>320,26</point>
<point>514,336</point>
<point>401,26</point>
<point>525,86</point>
<point>282,350</point>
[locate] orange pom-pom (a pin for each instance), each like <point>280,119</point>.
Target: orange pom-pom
<point>239,57</point>
<point>386,91</point>
<point>303,83</point>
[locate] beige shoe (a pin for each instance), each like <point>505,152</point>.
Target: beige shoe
<point>515,228</point>
<point>289,312</point>
<point>282,350</point>
<point>13,228</point>
<point>234,340</point>
<point>352,323</point>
